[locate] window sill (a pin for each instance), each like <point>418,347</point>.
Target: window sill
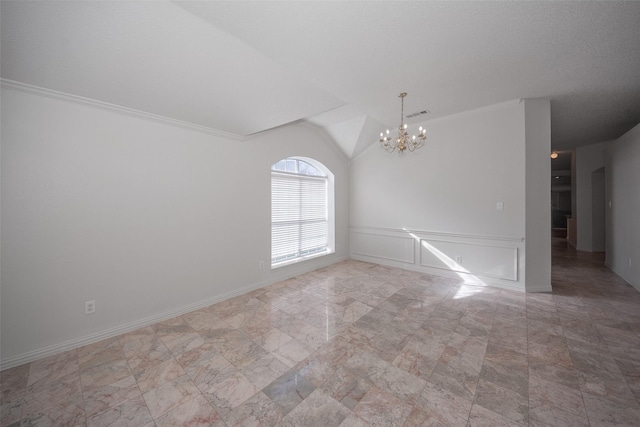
<point>301,259</point>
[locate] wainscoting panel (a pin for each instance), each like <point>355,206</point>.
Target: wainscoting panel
<point>486,260</point>
<point>393,248</point>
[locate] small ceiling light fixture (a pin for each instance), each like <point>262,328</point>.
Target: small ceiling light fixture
<point>403,140</point>
<point>554,154</point>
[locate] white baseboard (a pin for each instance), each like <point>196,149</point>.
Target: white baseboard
<point>52,350</point>
<point>538,289</point>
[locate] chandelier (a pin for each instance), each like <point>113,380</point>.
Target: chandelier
<point>403,140</point>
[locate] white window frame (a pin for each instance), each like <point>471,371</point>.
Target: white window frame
<point>330,211</point>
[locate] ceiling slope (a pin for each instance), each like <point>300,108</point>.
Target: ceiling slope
<point>153,57</point>
<point>245,67</point>
<point>456,56</point>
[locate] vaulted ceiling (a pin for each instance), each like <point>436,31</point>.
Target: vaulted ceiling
<point>245,67</point>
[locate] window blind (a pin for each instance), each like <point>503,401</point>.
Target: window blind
<point>299,222</point>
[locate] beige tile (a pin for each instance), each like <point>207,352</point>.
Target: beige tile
<point>197,412</point>
<point>259,410</point>
<point>551,415</point>
<point>353,420</point>
<point>105,374</point>
<point>205,365</point>
<point>565,377</point>
<point>157,375</point>
<point>100,399</point>
<point>315,369</point>
<point>11,411</point>
<point>379,408</point>
<point>230,393</point>
<point>483,417</point>
<point>201,319</point>
<point>242,352</point>
<point>51,370</point>
<point>46,392</point>
<point>346,387</point>
<point>131,413</point>
<point>169,395</point>
<point>401,384</point>
<point>316,410</point>
<point>13,382</point>
<point>146,353</point>
<point>446,407</point>
<point>507,370</point>
<point>421,418</point>
<point>311,337</point>
<point>63,413</point>
<point>503,401</point>
<point>543,393</point>
<point>358,344</point>
<point>264,371</point>
<point>291,352</point>
<point>289,390</point>
<point>100,353</point>
<point>273,339</point>
<point>456,379</point>
<point>412,360</point>
<point>178,336</point>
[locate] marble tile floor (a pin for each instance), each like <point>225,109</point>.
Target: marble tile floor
<point>358,344</point>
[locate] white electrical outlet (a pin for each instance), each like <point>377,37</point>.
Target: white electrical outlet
<point>458,259</point>
<point>261,265</point>
<point>89,307</point>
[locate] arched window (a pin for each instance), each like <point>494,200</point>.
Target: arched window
<point>302,214</point>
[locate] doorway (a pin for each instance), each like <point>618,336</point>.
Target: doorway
<point>598,227</point>
<point>561,195</point>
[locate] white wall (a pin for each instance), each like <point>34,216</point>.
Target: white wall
<point>469,162</point>
<point>147,218</point>
<point>588,159</point>
<point>622,178</point>
<point>427,209</point>
<point>537,195</point>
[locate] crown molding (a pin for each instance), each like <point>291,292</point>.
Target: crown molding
<point>131,112</point>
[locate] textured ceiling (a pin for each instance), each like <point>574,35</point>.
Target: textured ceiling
<point>244,67</point>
